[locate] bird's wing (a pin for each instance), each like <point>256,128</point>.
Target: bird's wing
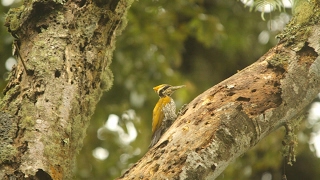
<point>158,115</point>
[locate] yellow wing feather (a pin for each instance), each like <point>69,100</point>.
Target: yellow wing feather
<point>158,115</point>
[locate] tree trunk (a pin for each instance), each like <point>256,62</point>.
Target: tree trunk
<point>228,119</point>
<point>64,50</point>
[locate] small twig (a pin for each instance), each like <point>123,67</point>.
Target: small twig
<point>18,53</point>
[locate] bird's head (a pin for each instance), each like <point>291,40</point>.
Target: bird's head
<point>166,89</point>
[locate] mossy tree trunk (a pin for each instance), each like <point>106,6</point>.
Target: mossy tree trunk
<point>64,49</point>
<point>228,119</point>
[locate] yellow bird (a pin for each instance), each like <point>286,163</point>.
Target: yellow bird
<point>164,113</point>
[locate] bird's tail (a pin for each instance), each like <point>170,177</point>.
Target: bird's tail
<point>155,137</point>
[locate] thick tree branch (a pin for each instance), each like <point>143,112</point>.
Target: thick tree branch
<point>228,119</point>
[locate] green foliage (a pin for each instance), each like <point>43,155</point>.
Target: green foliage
<point>196,43</point>
<point>206,28</point>
<point>262,5</point>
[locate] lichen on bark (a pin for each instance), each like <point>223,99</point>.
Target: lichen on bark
<point>66,47</point>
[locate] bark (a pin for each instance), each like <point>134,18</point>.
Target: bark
<point>65,49</point>
<point>231,117</point>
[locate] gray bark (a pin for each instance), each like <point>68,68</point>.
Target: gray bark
<point>66,47</point>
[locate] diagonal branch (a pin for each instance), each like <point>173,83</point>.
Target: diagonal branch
<point>231,117</point>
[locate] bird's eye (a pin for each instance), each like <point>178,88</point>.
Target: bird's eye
<point>162,90</point>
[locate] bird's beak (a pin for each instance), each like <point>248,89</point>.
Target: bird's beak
<point>173,88</point>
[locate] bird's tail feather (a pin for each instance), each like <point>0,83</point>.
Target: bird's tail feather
<point>155,138</point>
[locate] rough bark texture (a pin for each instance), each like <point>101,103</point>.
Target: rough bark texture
<point>231,117</point>
<point>66,47</point>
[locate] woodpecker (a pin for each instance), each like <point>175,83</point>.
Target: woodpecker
<point>164,113</point>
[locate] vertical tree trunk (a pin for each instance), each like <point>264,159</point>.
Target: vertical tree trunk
<point>65,52</point>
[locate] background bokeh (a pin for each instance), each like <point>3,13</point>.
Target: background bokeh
<point>193,42</point>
